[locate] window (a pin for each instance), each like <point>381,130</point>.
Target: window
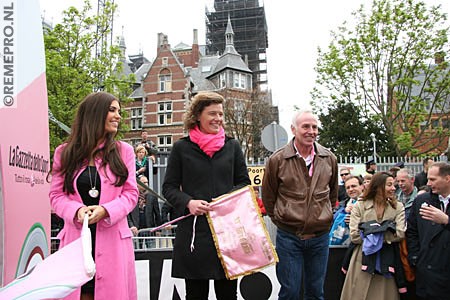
<point>135,142</point>
<point>165,83</point>
<point>136,118</point>
<point>164,142</point>
<point>165,61</point>
<point>165,113</point>
<point>236,80</point>
<point>222,80</point>
<point>239,80</point>
<point>239,110</point>
<point>427,104</point>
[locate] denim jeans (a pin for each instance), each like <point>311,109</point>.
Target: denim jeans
<point>301,260</point>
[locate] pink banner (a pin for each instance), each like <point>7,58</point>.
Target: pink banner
<point>24,141</point>
<point>59,274</point>
<point>240,235</point>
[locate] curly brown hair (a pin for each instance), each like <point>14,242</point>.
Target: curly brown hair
<point>198,104</point>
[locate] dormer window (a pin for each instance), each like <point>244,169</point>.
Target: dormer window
<point>239,80</point>
<point>222,80</point>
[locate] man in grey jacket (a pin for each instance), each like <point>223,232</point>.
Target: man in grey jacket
<point>300,187</point>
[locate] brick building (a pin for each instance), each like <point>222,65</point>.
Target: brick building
<point>164,88</point>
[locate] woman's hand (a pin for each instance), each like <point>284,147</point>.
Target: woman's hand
<point>81,212</point>
<point>198,207</point>
<point>348,208</point>
<point>98,212</point>
<point>134,230</point>
<point>141,170</point>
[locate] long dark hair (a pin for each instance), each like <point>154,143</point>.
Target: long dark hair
<point>377,190</point>
<point>87,130</point>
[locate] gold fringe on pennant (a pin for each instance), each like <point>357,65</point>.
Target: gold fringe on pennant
<point>271,250</point>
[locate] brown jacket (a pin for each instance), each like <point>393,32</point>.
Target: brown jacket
<point>295,201</point>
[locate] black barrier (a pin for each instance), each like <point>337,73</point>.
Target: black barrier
<point>257,286</point>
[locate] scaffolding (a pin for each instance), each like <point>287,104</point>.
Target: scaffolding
<point>248,19</point>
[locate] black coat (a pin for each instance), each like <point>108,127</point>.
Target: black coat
<point>429,251</point>
<point>191,174</point>
<point>151,213</point>
<point>342,194</point>
<point>168,213</point>
<point>420,179</point>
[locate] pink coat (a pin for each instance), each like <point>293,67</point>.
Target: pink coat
<point>114,256</point>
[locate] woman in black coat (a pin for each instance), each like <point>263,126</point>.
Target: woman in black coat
<point>202,166</point>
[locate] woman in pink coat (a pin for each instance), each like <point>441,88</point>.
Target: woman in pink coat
<point>94,174</point>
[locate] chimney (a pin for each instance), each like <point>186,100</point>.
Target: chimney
<point>195,42</point>
<point>163,42</point>
<point>195,49</point>
<point>159,42</point>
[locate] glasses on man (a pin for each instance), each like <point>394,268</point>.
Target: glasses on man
<point>345,174</point>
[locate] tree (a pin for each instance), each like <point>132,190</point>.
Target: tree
<point>262,115</point>
<point>386,66</point>
<point>347,133</point>
<point>73,68</point>
<point>245,115</point>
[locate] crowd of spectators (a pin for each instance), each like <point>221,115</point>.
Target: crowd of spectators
<point>419,233</point>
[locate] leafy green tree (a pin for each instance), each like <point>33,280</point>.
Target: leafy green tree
<point>386,65</point>
<point>347,133</point>
<point>73,68</point>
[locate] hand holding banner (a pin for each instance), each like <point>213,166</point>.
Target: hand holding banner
<point>242,241</point>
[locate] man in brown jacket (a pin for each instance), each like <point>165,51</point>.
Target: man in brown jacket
<point>300,187</point>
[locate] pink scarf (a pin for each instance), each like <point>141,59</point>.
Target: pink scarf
<point>209,143</point>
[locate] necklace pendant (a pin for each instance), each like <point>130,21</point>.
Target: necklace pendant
<point>93,192</point>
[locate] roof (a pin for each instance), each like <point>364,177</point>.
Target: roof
<point>231,61</point>
<point>137,93</point>
<point>126,70</point>
<point>142,72</point>
<point>181,46</point>
<point>199,75</point>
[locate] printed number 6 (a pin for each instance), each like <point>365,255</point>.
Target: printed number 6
<point>257,180</point>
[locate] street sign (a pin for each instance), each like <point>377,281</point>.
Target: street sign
<point>256,175</point>
<point>274,137</point>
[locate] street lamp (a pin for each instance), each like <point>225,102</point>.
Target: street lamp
<point>374,140</point>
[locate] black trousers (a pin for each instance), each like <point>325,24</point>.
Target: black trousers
<point>199,289</point>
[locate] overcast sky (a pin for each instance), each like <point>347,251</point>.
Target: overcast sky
<point>295,29</point>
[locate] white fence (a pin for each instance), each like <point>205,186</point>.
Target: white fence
<point>383,164</point>
<point>386,163</point>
